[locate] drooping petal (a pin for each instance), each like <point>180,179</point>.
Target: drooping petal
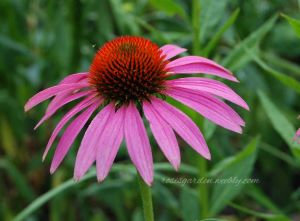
<point>64,98</point>
<point>198,65</point>
<point>164,135</point>
<point>207,106</point>
<point>61,102</point>
<point>80,106</point>
<point>89,144</point>
<point>138,145</point>
<point>50,92</point>
<point>195,59</point>
<point>109,143</point>
<point>58,98</point>
<point>183,125</point>
<point>171,50</point>
<point>73,78</point>
<point>211,86</point>
<point>70,134</point>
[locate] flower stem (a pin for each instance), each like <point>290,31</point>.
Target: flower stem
<point>146,199</point>
<point>196,26</point>
<point>202,189</point>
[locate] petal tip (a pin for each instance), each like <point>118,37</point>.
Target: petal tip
<point>76,178</point>
<point>234,79</point>
<point>207,156</point>
<point>52,170</point>
<point>176,167</point>
<point>100,179</point>
<point>149,182</point>
<point>176,164</point>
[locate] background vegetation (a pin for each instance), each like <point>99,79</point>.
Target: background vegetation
<point>42,41</point>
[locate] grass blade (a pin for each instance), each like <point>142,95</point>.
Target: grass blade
<point>238,57</point>
<point>294,23</point>
<point>215,39</point>
<point>280,123</point>
<point>284,79</point>
<point>240,168</point>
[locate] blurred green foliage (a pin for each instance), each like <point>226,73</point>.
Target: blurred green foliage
<point>42,41</point>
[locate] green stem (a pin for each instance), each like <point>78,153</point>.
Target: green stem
<point>147,199</point>
<point>196,26</point>
<point>202,189</point>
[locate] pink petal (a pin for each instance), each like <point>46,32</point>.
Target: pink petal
<point>138,145</point>
<point>80,106</point>
<point>109,143</point>
<point>207,106</point>
<point>50,92</point>
<point>57,99</point>
<point>88,147</point>
<point>193,65</point>
<point>70,134</point>
<point>195,59</point>
<point>61,102</point>
<point>164,135</point>
<point>171,51</point>
<point>74,78</point>
<point>183,125</point>
<point>211,86</point>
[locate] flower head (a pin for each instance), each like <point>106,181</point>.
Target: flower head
<point>129,75</point>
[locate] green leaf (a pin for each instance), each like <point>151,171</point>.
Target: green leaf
<point>294,23</point>
<point>209,129</point>
<point>184,168</point>
<point>284,79</point>
<point>212,12</point>
<point>236,171</point>
<point>41,200</point>
<point>169,7</point>
<point>280,123</point>
<point>283,156</point>
<point>215,39</point>
<point>264,216</point>
<point>165,197</point>
<point>282,63</point>
<point>18,179</point>
<point>260,197</point>
<point>189,204</point>
<point>238,57</point>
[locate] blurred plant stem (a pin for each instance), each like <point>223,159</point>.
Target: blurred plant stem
<point>196,26</point>
<point>201,163</point>
<point>76,18</point>
<point>202,189</point>
<point>146,199</point>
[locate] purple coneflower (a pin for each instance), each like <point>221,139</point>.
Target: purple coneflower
<point>130,76</point>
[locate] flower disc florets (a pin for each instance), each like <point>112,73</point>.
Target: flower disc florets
<point>128,69</point>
